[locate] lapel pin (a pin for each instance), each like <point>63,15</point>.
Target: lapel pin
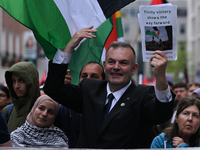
<point>122,104</point>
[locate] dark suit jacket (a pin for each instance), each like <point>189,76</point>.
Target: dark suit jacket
<point>126,126</point>
<point>69,121</point>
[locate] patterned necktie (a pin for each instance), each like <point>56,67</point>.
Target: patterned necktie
<point>108,105</point>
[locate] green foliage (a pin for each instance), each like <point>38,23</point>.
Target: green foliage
<point>178,65</point>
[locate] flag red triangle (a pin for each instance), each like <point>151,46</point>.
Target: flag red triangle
<point>113,35</point>
<point>155,2</point>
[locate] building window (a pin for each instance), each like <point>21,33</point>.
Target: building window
<point>181,12</point>
<point>182,29</point>
<point>3,42</point>
<point>17,46</point>
<point>129,12</point>
<point>134,12</point>
<point>126,28</point>
<point>10,44</point>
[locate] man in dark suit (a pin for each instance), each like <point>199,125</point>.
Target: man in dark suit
<point>134,109</point>
<point>68,120</point>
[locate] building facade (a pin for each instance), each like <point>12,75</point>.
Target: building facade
<point>193,38</point>
<point>132,31</point>
<point>17,43</point>
<point>14,38</point>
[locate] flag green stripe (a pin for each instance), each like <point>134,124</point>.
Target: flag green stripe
<point>151,33</point>
<point>49,49</point>
<point>119,27</point>
<point>89,50</point>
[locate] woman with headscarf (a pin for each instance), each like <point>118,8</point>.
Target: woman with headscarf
<point>185,130</point>
<point>38,131</point>
<point>196,93</point>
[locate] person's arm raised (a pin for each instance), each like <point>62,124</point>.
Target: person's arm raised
<point>54,86</point>
<point>78,36</point>
<point>159,63</point>
<point>64,56</point>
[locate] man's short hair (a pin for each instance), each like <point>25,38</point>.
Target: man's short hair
<point>180,85</point>
<point>117,44</point>
<point>170,83</point>
<point>194,83</point>
<point>94,62</point>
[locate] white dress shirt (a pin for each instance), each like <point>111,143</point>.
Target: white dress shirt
<point>163,96</point>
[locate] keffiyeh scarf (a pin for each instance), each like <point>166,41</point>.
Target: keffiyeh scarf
<point>32,136</point>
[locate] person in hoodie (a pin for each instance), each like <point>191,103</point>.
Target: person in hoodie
<point>185,130</point>
<point>196,93</point>
<point>22,80</point>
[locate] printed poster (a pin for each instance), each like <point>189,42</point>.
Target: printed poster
<point>158,25</point>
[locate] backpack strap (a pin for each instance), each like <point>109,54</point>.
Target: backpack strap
<point>8,112</point>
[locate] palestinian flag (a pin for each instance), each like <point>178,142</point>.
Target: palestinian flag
<point>153,33</point>
<point>116,34</point>
<point>54,22</point>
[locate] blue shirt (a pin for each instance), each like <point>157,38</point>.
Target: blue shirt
<point>160,141</point>
<point>4,133</point>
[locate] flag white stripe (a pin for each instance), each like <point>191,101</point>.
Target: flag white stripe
<point>103,55</point>
<point>121,39</point>
<point>74,10</point>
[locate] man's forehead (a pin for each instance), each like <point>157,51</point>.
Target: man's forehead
<point>91,67</point>
<point>120,53</point>
<point>16,76</point>
<point>120,50</point>
<point>179,88</point>
<point>194,86</point>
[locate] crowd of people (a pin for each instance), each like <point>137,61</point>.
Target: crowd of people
<point>107,110</point>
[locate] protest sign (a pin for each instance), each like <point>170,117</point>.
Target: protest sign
<point>158,25</point>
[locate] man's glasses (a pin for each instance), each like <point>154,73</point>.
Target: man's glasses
<point>2,95</point>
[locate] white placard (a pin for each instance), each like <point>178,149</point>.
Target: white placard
<point>158,25</point>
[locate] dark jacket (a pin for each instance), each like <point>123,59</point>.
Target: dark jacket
<point>126,126</point>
